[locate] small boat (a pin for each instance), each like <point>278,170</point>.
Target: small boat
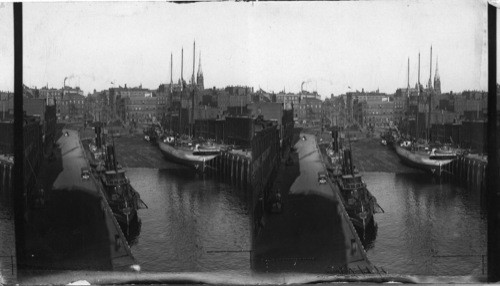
<point>121,196</point>
<point>359,203</point>
<point>152,133</point>
<point>422,157</point>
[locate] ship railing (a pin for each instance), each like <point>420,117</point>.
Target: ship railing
<point>116,181</point>
<point>353,185</point>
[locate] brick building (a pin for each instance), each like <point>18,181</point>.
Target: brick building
<point>71,106</point>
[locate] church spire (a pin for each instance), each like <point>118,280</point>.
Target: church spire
<point>437,79</point>
<point>199,76</point>
<point>200,72</point>
<point>436,76</point>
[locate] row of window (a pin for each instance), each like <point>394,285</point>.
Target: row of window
<point>310,106</point>
<point>381,113</point>
<point>141,108</point>
<point>378,119</point>
<point>147,102</point>
<point>66,102</point>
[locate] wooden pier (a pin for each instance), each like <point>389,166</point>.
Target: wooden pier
<point>469,172</point>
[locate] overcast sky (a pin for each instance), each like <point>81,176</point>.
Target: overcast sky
<point>334,46</point>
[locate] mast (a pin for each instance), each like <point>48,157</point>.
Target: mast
<point>429,99</point>
<point>171,90</point>
<point>418,97</point>
<point>430,72</point>
<point>182,90</point>
<point>408,87</point>
<point>194,88</point>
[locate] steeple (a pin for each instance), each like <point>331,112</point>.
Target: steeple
<point>437,79</point>
<point>200,72</point>
<point>199,76</point>
<point>436,76</point>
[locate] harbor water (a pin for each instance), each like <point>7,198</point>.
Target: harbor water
<point>191,224</point>
<point>428,228</point>
<point>200,224</point>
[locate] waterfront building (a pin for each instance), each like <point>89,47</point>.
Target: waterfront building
<point>71,106</point>
<point>328,111</point>
<point>30,92</point>
<point>144,109</point>
<point>263,96</point>
<point>97,105</point>
<point>70,90</point>
<point>207,112</point>
<point>337,114</point>
<point>50,93</point>
<point>282,114</point>
<point>380,114</point>
<point>239,90</point>
<point>117,96</point>
<point>372,109</point>
<point>41,109</point>
<point>33,151</point>
<point>238,100</point>
<point>283,97</point>
<point>400,106</point>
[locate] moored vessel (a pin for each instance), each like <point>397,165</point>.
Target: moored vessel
<point>424,158</point>
<point>359,203</point>
<point>188,152</point>
<point>121,196</point>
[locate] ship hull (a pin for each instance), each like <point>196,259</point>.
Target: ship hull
<point>185,157</point>
<point>421,160</point>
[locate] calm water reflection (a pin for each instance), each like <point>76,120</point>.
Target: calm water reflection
<point>427,228</point>
<point>196,224</point>
<point>192,224</point>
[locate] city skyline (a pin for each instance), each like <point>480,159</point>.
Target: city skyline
<point>334,47</point>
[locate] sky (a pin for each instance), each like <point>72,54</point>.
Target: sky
<point>334,47</point>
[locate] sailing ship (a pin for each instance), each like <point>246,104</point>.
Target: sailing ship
<point>423,157</point>
<point>188,152</point>
<point>183,149</point>
<point>421,154</point>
